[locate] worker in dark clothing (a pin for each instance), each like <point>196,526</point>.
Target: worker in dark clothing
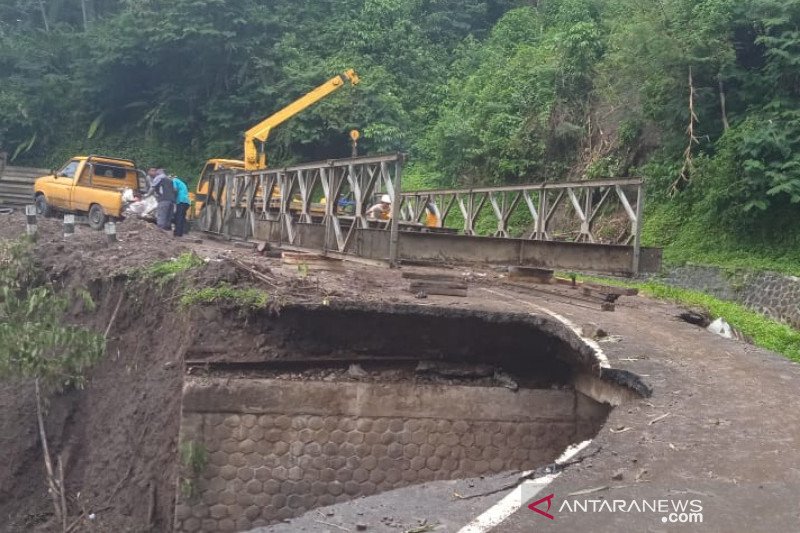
<point>165,195</point>
<point>181,205</point>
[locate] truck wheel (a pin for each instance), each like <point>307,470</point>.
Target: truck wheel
<point>42,207</point>
<point>97,218</point>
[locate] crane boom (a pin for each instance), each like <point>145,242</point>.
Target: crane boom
<point>254,158</point>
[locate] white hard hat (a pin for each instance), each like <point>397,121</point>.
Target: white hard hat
<point>385,199</point>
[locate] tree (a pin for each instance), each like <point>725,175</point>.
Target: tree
<point>37,343</point>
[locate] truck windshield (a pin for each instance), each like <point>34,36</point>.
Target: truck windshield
<point>68,171</point>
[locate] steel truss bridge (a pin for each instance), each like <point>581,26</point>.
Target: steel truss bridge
<point>592,225</point>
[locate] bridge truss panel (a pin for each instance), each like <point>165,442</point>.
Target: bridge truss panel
<point>583,202</point>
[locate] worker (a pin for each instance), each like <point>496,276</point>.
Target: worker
<point>181,205</point>
<point>151,174</point>
<point>382,210</point>
<point>165,195</point>
<point>431,215</point>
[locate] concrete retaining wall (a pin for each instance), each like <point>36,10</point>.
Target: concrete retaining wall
<point>775,295</point>
<point>277,447</point>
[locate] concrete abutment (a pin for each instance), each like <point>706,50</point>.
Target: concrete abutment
<point>286,425</point>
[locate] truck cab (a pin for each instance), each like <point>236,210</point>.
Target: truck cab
<point>212,165</point>
<point>88,185</point>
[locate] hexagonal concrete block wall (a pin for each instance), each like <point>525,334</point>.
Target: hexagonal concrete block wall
<point>275,448</point>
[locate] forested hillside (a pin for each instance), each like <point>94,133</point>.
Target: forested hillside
<point>701,97</point>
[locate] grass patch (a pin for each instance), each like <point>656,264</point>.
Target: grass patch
<point>224,293</point>
<point>194,458</point>
<point>167,270</point>
<point>765,332</point>
<point>686,239</point>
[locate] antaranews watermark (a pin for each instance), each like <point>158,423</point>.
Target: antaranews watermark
<point>670,510</point>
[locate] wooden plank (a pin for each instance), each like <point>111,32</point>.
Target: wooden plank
<point>573,298</point>
<point>431,277</point>
<point>304,258</point>
<point>566,281</point>
<point>443,291</point>
<point>424,285</point>
<point>312,260</point>
<point>609,289</point>
<point>294,258</point>
<point>537,275</point>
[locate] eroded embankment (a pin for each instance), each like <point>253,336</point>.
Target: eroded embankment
<point>322,404</point>
<point>117,437</point>
<point>288,409</point>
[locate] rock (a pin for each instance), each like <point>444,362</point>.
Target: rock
<point>721,328</point>
<point>593,331</point>
<point>506,380</point>
<point>361,527</point>
<point>455,370</point>
<point>696,318</point>
<point>618,475</point>
<point>355,371</point>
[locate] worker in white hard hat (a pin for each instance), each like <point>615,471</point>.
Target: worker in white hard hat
<point>382,210</point>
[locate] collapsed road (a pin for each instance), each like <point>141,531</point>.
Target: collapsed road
<point>350,403</point>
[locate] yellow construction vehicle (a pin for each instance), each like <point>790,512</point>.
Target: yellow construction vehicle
<point>255,138</point>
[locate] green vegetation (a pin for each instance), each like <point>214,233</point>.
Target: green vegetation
<point>194,458</point>
<point>165,271</point>
<point>302,270</point>
<point>35,340</point>
<point>224,293</point>
<point>689,239</point>
<point>764,331</point>
<point>176,268</point>
<point>477,91</point>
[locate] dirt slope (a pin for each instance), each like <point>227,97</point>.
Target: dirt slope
<point>117,437</point>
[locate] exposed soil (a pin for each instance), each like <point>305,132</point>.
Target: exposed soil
<point>87,253</point>
<point>118,436</point>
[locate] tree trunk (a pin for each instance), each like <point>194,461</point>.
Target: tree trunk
<point>44,16</point>
<point>725,124</point>
<point>48,463</point>
<point>85,16</point>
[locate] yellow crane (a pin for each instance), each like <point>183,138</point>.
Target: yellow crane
<point>255,138</point>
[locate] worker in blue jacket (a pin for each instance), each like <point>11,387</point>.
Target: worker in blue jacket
<point>181,205</point>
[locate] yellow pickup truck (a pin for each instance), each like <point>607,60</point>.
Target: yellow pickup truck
<point>90,185</point>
